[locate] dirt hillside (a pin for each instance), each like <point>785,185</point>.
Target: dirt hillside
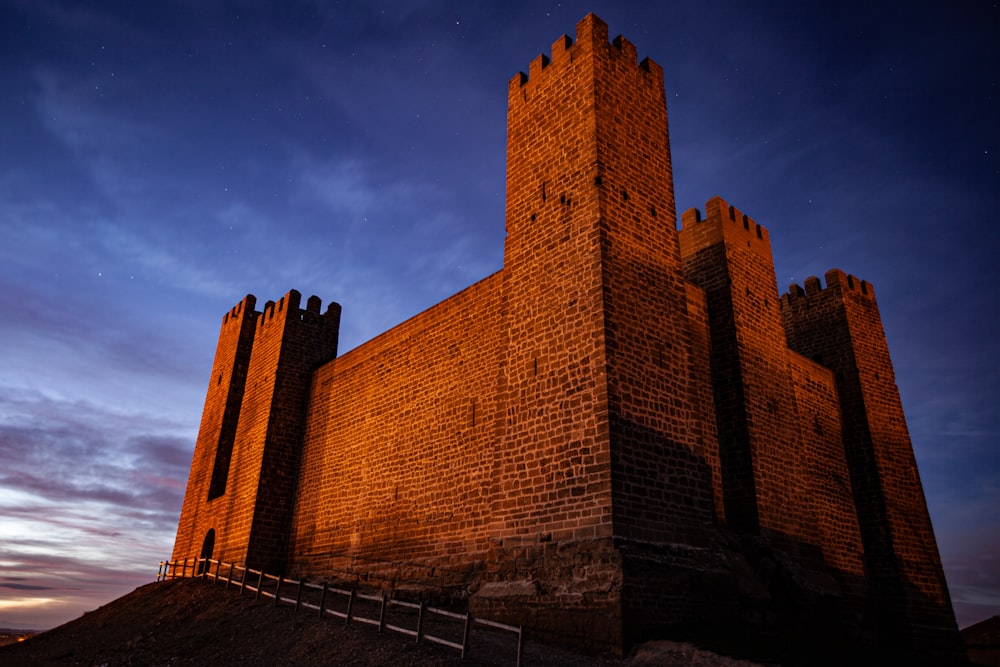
<point>191,622</point>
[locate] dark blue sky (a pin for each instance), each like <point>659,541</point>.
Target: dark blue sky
<point>158,161</point>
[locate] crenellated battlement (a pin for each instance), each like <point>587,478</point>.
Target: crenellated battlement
<point>290,303</point>
<point>591,38</point>
<point>836,279</point>
<point>722,222</point>
<point>243,308</point>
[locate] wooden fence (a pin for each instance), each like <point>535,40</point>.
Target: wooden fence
<point>327,600</point>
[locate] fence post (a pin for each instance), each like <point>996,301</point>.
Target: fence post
<point>350,605</point>
<point>243,581</point>
<point>420,623</point>
<point>229,575</point>
<point>465,634</point>
<point>260,584</point>
<point>520,642</point>
<point>381,615</point>
<point>277,591</point>
<point>322,599</point>
<point>218,564</point>
<point>298,597</point>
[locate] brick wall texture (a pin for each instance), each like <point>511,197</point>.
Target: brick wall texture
<point>624,433</point>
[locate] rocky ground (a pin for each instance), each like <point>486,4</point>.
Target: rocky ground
<point>192,622</point>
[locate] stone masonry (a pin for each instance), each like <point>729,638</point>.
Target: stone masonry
<point>624,433</point>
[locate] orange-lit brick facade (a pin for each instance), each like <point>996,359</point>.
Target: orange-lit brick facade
<point>625,432</point>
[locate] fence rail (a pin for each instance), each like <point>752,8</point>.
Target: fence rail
<point>262,584</point>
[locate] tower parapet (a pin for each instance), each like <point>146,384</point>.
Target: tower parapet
<point>722,222</point>
<point>834,278</point>
<point>593,32</point>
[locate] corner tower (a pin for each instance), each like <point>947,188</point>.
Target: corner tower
<point>840,327</point>
<point>240,496</point>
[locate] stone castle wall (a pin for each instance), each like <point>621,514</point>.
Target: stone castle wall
<point>398,456</point>
<point>623,433</point>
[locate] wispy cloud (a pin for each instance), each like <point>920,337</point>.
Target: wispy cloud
<point>89,497</point>
<point>394,244</point>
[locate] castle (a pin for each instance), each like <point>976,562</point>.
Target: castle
<point>625,432</point>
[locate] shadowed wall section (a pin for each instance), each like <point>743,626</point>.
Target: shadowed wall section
<point>840,327</point>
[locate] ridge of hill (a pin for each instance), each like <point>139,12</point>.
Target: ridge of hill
<point>192,622</point>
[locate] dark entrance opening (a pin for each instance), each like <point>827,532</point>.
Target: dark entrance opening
<point>207,547</point>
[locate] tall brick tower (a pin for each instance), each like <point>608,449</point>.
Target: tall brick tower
<point>240,496</point>
<point>840,327</point>
<point>783,471</point>
<point>603,434</point>
<point>596,303</point>
<point>729,256</point>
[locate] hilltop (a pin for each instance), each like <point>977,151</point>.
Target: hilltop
<point>192,622</point>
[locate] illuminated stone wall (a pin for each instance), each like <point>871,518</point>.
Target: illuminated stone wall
<point>398,459</point>
<point>608,439</point>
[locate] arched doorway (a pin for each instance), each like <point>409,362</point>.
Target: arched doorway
<point>207,547</point>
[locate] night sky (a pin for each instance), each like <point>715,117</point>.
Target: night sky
<point>158,161</point>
